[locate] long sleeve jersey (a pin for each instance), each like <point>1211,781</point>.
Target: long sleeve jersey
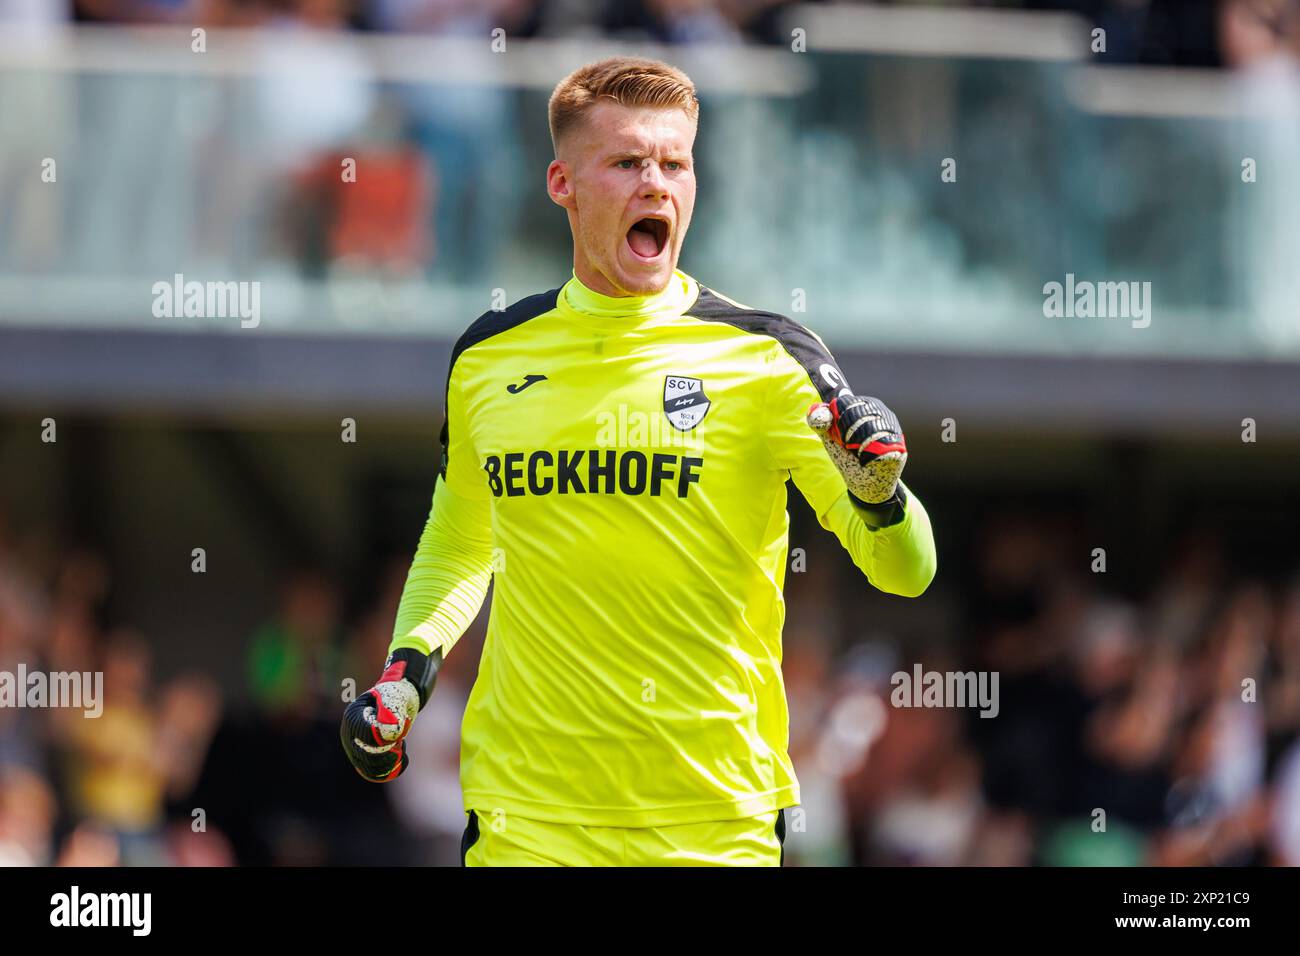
<point>618,467</point>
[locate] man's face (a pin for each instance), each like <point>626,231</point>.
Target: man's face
<point>626,177</point>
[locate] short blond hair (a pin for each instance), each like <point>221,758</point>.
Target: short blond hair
<point>628,80</point>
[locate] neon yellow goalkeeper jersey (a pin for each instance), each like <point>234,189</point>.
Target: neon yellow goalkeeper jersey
<point>617,467</point>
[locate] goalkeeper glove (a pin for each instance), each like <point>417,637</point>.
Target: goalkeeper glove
<point>375,724</point>
<point>865,441</point>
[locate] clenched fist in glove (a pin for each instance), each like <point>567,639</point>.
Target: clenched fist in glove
<point>865,440</point>
<point>375,724</point>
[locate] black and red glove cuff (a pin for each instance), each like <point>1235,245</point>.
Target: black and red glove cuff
<point>418,668</point>
<point>883,514</point>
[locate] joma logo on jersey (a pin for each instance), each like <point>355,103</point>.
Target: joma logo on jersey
<point>685,403</point>
<point>591,472</point>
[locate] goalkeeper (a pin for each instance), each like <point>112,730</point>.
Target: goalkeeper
<point>614,456</point>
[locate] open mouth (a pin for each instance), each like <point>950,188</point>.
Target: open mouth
<point>648,237</point>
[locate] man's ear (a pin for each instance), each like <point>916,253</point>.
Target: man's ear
<point>558,185</point>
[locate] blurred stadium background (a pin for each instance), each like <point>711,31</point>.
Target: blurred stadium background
<point>820,184</point>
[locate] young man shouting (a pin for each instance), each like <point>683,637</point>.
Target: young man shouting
<point>616,452</point>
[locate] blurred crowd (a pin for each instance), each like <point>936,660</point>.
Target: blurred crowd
<point>1159,731</point>
<point>82,790</point>
<point>1153,731</point>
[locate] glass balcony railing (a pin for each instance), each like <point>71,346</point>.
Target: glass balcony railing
<point>395,186</point>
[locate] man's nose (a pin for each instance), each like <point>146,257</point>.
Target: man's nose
<point>653,182</point>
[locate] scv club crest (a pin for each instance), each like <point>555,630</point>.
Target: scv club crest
<point>685,403</point>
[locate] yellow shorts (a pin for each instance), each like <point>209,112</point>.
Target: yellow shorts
<point>493,840</point>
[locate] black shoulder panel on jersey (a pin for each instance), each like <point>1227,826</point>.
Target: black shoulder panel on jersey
<point>803,346</point>
<point>494,323</point>
<point>484,327</point>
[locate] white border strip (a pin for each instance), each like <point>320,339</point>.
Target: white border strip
<point>533,64</point>
<point>1162,92</point>
<point>942,32</point>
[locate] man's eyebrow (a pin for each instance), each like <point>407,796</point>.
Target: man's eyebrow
<point>640,152</point>
<point>633,152</point>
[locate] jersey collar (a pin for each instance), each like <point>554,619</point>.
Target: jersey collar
<point>675,299</point>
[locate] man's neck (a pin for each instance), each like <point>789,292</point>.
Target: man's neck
<point>596,282</point>
<point>582,298</point>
